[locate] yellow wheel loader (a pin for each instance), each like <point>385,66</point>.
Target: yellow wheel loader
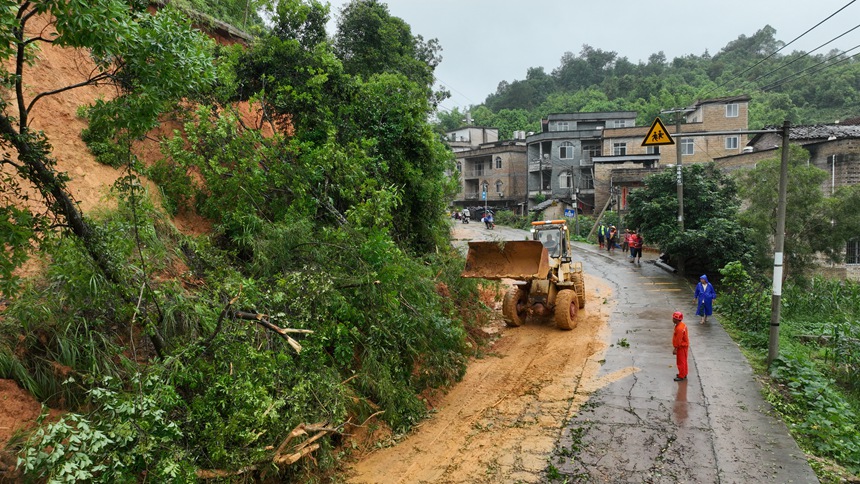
<point>547,283</point>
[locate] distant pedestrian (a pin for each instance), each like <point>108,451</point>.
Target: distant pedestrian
<point>635,247</point>
<point>625,243</point>
<point>705,295</point>
<point>602,231</point>
<point>681,345</point>
<point>612,239</point>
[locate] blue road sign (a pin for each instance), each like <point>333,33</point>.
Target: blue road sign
<point>568,212</point>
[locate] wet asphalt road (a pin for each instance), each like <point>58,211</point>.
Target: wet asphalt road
<point>715,427</point>
<point>642,426</point>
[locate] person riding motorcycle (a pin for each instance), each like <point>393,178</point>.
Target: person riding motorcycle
<point>488,220</point>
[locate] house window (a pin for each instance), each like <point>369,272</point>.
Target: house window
<point>591,150</point>
<point>731,142</point>
<point>852,255</point>
<point>498,162</point>
<point>687,146</point>
<point>619,149</point>
<point>459,166</point>
<point>652,150</point>
<point>498,186</point>
<point>732,110</point>
<point>565,179</point>
<point>562,126</point>
<point>565,151</point>
<point>620,123</point>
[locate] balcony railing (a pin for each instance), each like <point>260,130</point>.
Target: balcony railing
<point>534,193</point>
<point>536,166</point>
<point>546,192</point>
<point>474,173</point>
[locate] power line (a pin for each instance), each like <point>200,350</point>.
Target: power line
<point>805,55</point>
<point>796,74</point>
<point>778,50</point>
<point>443,83</point>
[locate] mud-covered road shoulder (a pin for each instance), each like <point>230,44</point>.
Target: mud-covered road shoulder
<point>502,421</point>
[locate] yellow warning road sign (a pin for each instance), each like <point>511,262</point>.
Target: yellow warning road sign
<point>657,135</point>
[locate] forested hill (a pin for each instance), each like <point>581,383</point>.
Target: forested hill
<point>804,88</point>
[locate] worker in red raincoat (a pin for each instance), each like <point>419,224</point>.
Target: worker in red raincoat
<point>681,344</point>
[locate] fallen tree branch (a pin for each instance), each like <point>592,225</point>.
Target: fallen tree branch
<point>304,448</point>
<point>370,417</point>
<point>282,456</point>
<point>263,320</point>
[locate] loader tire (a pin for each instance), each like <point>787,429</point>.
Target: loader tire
<point>566,307</point>
<point>514,307</point>
<point>579,284</point>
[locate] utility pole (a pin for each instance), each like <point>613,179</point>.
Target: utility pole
<point>680,173</point>
<point>678,165</point>
<point>779,245</point>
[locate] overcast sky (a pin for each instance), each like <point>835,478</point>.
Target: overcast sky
<point>485,42</point>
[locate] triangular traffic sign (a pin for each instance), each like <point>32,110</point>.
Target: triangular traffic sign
<point>657,135</point>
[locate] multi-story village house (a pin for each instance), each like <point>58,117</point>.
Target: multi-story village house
<point>470,137</point>
<point>560,158</point>
<point>491,171</point>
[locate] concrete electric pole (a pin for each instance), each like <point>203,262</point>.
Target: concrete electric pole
<point>778,246</point>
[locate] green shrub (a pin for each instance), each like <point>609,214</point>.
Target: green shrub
<point>746,305</point>
<point>127,433</point>
<point>819,414</point>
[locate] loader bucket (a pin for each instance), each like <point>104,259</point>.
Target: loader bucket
<point>523,260</point>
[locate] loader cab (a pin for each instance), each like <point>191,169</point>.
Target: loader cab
<point>554,236</point>
<point>550,241</point>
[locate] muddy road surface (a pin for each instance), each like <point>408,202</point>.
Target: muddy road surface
<point>502,422</point>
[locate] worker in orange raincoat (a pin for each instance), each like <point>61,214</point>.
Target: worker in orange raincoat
<point>681,344</point>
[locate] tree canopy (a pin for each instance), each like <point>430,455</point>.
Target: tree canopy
<point>369,40</point>
<point>816,224</point>
<point>712,234</point>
